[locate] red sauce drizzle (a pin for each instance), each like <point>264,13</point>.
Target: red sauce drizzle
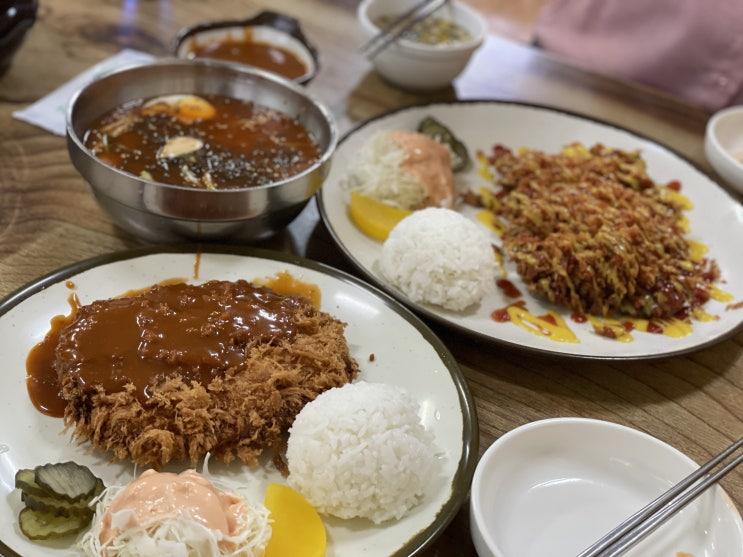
<point>501,315</point>
<point>508,288</point>
<point>578,318</point>
<point>682,315</point>
<point>549,319</point>
<point>674,185</point>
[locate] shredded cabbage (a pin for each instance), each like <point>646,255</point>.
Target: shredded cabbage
<point>178,536</point>
<point>377,173</point>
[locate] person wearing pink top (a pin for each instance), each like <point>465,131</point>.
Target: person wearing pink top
<point>691,49</point>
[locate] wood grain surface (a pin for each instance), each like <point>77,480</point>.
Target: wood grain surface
<point>49,219</point>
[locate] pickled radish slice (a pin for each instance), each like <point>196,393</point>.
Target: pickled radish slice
<point>297,530</point>
<point>373,218</point>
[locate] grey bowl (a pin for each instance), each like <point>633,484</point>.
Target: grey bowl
<point>159,212</point>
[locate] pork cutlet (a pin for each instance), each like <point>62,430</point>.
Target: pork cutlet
<point>183,370</point>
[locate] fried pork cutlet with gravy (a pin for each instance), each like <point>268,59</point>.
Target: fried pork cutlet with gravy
<point>181,370</point>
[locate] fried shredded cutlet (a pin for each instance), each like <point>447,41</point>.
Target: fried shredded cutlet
<point>590,231</point>
<point>180,371</point>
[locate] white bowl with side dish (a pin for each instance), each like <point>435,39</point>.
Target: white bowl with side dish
<point>285,49</point>
<point>555,486</point>
<point>723,145</point>
<point>415,65</point>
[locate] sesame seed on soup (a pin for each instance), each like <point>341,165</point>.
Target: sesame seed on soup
<point>207,141</point>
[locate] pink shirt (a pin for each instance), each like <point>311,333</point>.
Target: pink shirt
<point>692,49</point>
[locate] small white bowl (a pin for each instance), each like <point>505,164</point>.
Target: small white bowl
<point>417,66</point>
<point>553,487</point>
<point>723,145</point>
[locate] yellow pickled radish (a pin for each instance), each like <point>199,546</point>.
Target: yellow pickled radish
<point>373,218</point>
<point>296,528</point>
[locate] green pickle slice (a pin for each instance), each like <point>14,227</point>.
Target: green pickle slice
<point>40,525</point>
<point>68,480</point>
<point>57,499</point>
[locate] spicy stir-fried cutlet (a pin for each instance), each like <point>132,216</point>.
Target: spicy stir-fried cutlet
<point>183,370</point>
<point>589,230</point>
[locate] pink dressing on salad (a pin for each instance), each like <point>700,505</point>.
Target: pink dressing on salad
<point>189,495</point>
<point>429,162</point>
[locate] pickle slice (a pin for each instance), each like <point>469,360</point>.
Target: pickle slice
<point>57,505</point>
<point>69,480</point>
<point>57,499</point>
<point>25,480</point>
<point>439,132</point>
<point>39,525</point>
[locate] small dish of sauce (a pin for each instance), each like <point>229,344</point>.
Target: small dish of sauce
<point>247,50</point>
<point>271,41</point>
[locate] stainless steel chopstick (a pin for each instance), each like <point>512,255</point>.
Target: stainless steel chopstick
<point>399,25</point>
<point>649,518</point>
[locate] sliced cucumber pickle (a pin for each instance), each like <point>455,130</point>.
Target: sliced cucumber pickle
<point>25,480</point>
<point>68,480</point>
<point>56,505</point>
<point>57,499</point>
<point>39,525</point>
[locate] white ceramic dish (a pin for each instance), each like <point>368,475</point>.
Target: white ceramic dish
<point>416,66</point>
<point>716,221</point>
<point>273,28</point>
<point>723,145</point>
<point>406,353</point>
<point>553,487</point>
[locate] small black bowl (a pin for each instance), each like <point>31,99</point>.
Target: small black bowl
<point>16,18</point>
<point>274,28</point>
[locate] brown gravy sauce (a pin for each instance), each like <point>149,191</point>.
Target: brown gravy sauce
<point>287,284</point>
<point>42,381</point>
<point>195,331</point>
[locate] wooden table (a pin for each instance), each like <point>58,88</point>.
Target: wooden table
<point>48,218</point>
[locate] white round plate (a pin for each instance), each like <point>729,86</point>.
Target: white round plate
<point>553,487</point>
<point>406,353</point>
<point>716,221</point>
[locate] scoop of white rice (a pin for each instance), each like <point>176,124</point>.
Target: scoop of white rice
<point>438,256</point>
<point>361,451</point>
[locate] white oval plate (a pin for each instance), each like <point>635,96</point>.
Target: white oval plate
<point>553,487</point>
<point>716,221</point>
<point>406,353</point>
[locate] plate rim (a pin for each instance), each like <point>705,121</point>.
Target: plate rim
<point>462,479</point>
<point>477,335</point>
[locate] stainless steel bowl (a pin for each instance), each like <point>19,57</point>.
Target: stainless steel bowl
<point>160,212</point>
